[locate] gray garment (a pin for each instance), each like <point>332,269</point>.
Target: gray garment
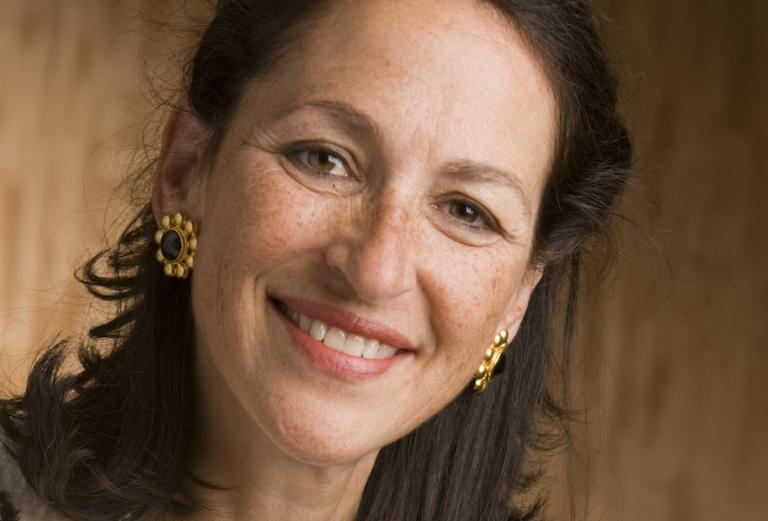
<point>16,496</point>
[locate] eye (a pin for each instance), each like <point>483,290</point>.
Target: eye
<point>318,160</point>
<point>471,215</point>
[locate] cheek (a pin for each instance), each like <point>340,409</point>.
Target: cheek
<point>469,292</point>
<point>254,221</point>
<point>263,216</point>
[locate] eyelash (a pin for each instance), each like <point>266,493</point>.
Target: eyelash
<point>489,223</point>
<point>293,153</point>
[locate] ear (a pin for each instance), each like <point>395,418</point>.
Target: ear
<point>515,311</point>
<point>179,183</point>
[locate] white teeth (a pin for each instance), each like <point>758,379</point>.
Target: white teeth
<point>304,323</point>
<point>340,340</point>
<point>387,351</point>
<point>371,348</point>
<point>318,330</point>
<point>335,338</point>
<point>375,350</point>
<point>355,345</point>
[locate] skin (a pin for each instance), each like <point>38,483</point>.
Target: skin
<point>384,235</point>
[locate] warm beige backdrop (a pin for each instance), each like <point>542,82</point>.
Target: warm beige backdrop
<point>677,367</point>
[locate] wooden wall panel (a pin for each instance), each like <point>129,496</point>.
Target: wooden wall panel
<point>681,431</point>
<point>676,363</point>
<point>69,93</point>
<point>72,108</point>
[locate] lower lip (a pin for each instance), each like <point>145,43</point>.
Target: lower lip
<point>347,367</point>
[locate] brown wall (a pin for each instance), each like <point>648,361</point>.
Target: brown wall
<point>685,380</point>
<point>74,107</point>
<point>69,103</point>
<point>677,367</point>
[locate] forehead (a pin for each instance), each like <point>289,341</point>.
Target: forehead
<point>455,81</point>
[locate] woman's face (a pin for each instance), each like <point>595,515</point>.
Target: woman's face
<point>383,185</point>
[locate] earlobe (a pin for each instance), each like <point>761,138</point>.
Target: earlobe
<point>519,303</point>
<point>178,183</point>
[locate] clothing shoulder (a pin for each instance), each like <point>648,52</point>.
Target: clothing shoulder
<point>17,500</point>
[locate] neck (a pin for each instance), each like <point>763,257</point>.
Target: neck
<point>272,487</point>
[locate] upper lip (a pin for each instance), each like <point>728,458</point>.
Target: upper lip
<point>348,321</point>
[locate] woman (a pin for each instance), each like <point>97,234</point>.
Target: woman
<point>359,211</point>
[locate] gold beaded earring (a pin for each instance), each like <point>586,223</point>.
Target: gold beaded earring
<point>484,373</point>
<point>177,241</point>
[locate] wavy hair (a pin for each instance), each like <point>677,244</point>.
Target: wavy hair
<point>109,441</point>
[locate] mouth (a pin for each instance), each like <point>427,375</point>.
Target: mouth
<point>346,334</point>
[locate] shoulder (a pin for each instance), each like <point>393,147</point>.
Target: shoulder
<point>17,500</point>
<point>8,510</point>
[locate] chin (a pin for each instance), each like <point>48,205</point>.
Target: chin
<point>317,436</point>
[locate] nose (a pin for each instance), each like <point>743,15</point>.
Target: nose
<point>375,259</point>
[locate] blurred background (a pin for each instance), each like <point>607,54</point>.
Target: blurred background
<point>673,362</point>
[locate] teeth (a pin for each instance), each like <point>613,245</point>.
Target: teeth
<point>355,345</point>
<point>335,339</point>
<point>371,348</point>
<point>340,340</point>
<point>304,323</point>
<point>318,330</point>
<point>374,350</point>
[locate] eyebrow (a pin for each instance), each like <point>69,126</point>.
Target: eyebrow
<point>484,173</point>
<point>362,124</point>
<point>345,114</point>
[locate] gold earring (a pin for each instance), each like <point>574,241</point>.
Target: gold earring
<point>484,373</point>
<point>177,240</point>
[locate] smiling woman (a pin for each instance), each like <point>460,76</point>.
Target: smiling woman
<point>360,209</point>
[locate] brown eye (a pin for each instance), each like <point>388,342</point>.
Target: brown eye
<point>323,160</point>
<point>319,160</point>
<point>471,215</point>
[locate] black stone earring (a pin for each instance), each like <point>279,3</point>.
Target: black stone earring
<point>177,240</point>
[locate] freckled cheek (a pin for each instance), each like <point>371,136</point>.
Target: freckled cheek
<point>258,222</point>
<point>273,217</point>
<point>473,292</point>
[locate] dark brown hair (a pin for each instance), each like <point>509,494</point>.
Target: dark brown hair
<point>110,441</point>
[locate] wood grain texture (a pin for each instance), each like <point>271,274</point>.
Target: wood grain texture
<point>69,84</point>
<point>675,351</point>
<point>72,108</point>
<point>681,428</point>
